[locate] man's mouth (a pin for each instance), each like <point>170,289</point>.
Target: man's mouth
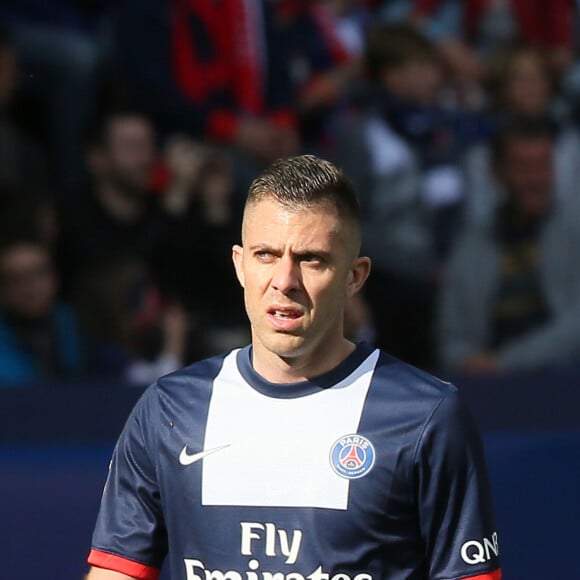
<point>285,313</point>
<point>285,319</point>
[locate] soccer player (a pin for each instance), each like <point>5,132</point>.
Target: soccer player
<point>302,456</point>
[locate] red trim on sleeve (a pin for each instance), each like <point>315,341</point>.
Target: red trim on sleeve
<point>123,565</point>
<point>495,575</point>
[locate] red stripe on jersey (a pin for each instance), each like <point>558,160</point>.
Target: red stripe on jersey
<point>123,565</point>
<point>495,575</point>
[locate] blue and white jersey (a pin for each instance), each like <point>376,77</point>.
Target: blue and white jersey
<point>373,471</point>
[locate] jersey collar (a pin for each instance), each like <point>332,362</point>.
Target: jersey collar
<point>301,388</point>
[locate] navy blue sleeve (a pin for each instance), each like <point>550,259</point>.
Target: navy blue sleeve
<point>130,533</point>
<point>453,495</point>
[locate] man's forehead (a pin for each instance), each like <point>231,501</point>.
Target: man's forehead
<point>270,213</point>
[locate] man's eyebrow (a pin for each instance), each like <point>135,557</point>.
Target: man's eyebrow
<point>325,254</point>
<point>313,252</point>
<point>260,246</point>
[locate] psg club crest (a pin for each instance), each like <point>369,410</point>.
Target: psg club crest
<point>352,456</point>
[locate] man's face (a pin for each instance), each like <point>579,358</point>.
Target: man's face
<point>297,268</point>
<point>27,281</point>
<point>128,156</point>
<point>526,170</point>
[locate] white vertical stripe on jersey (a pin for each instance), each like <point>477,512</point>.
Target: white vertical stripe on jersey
<point>278,452</point>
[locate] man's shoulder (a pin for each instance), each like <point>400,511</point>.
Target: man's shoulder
<point>404,401</point>
<point>198,375</point>
<point>396,379</point>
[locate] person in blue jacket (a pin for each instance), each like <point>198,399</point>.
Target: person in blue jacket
<point>39,337</point>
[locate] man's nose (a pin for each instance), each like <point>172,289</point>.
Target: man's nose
<point>286,275</point>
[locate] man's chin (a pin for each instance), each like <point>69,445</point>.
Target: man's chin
<point>285,345</point>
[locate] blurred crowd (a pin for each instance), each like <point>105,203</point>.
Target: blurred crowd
<point>131,129</point>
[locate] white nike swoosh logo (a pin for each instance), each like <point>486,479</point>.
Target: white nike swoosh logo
<point>186,459</point>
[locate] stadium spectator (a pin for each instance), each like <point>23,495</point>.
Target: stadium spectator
<point>402,152</point>
<point>520,83</point>
<point>39,336</point>
<point>105,230</point>
<point>111,219</point>
<point>511,295</point>
<point>192,246</point>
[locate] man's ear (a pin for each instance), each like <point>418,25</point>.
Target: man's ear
<point>237,256</point>
<point>359,272</point>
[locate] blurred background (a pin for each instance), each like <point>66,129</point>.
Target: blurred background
<point>130,131</point>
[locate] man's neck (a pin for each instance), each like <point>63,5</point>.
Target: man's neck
<point>284,370</point>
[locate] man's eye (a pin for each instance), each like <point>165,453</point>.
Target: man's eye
<point>311,258</point>
<point>263,255</point>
